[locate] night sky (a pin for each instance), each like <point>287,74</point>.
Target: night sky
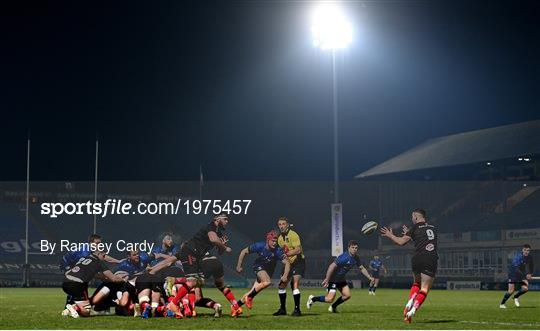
<point>237,87</point>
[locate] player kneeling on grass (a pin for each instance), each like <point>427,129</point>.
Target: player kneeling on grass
<point>519,273</point>
<point>268,254</point>
<point>335,278</point>
<point>76,280</point>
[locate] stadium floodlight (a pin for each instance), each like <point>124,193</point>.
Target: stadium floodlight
<point>330,28</point>
<point>332,31</point>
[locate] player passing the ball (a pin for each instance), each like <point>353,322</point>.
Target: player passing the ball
<point>423,262</point>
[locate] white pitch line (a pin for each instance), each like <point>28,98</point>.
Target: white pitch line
<point>501,323</point>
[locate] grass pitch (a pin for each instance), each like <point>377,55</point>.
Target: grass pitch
<point>39,308</point>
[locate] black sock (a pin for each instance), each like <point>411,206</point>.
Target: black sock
<point>240,303</point>
<point>338,302</point>
<point>319,298</point>
<point>506,296</point>
<point>296,300</point>
<point>205,302</point>
<point>374,289</point>
<point>253,293</point>
<point>283,299</point>
<point>519,293</point>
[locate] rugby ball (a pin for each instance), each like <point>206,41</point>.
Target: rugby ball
<point>369,227</point>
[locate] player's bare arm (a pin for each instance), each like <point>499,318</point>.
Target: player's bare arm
<point>241,257</point>
<point>389,233</point>
<point>111,259</point>
<point>404,230</point>
<point>112,277</point>
<point>331,268</point>
<point>366,273</point>
<point>218,242</point>
<point>160,256</point>
<point>163,264</point>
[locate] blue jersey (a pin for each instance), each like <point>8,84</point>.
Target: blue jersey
<point>521,263</point>
<point>375,265</point>
<point>167,251</point>
<point>266,257</point>
<point>344,262</point>
<point>71,258</point>
<point>134,269</point>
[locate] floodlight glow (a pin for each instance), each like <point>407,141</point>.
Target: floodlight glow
<point>330,28</point>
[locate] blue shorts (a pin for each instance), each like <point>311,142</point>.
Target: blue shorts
<point>333,286</point>
<point>515,276</point>
<point>268,268</point>
<point>375,274</point>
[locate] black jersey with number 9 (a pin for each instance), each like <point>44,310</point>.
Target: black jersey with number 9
<point>424,237</point>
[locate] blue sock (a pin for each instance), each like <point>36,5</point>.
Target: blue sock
<point>506,296</point>
<point>519,293</point>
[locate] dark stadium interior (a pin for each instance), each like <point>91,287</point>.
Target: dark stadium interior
<point>143,101</point>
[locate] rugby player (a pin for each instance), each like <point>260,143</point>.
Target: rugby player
<point>335,278</point>
<point>268,254</point>
<point>375,267</point>
<point>193,251</point>
<point>519,273</point>
<point>76,280</point>
<point>71,258</point>
<point>163,251</point>
<point>424,260</point>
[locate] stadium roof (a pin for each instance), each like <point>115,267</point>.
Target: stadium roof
<point>484,145</point>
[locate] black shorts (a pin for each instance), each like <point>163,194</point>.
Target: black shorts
<point>298,267</point>
<point>132,290</point>
<point>424,264</point>
<point>148,281</point>
<point>108,301</point>
<point>172,271</point>
<point>212,267</point>
<point>190,263</point>
<point>76,291</point>
<point>336,285</point>
<point>268,268</point>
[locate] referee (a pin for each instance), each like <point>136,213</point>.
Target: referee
<point>289,241</point>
